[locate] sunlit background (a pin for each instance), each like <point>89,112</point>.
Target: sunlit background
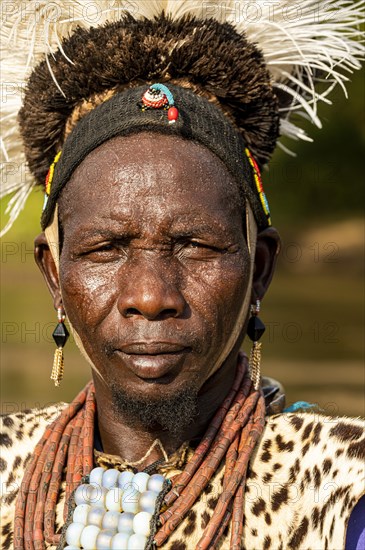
<point>314,341</point>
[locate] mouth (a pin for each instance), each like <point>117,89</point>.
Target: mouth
<point>153,360</point>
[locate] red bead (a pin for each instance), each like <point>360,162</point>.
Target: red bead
<point>172,114</point>
<point>46,184</point>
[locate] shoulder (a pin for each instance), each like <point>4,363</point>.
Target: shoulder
<point>313,433</point>
<point>313,448</point>
<point>309,469</point>
<point>19,435</point>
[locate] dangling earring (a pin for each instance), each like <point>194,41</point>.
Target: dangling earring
<point>255,329</point>
<point>60,336</point>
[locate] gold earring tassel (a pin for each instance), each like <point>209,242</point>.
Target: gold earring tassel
<point>255,364</point>
<point>57,369</point>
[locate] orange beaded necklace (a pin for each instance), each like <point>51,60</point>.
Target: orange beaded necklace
<point>68,442</point>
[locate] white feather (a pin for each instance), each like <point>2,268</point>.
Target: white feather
<point>297,40</point>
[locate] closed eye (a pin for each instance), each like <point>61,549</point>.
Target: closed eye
<point>197,244</point>
<point>188,248</point>
<point>104,248</point>
<point>103,252</point>
<point>107,247</point>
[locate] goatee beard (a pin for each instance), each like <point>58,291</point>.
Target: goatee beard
<point>173,413</point>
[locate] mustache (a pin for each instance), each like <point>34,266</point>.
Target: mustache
<point>160,338</point>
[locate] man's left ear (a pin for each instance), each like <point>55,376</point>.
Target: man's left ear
<point>267,250</point>
<point>45,262</point>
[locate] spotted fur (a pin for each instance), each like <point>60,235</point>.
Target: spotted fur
<point>304,480</point>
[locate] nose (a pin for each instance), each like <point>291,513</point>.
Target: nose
<point>150,292</point>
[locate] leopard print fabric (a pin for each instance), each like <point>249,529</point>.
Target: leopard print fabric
<point>305,478</point>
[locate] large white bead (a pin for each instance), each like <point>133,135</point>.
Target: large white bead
<point>155,483</point>
<point>120,541</point>
<point>89,536</point>
<point>130,500</point>
<point>125,523</point>
<point>97,496</point>
<point>110,478</point>
<point>73,534</point>
<point>83,494</point>
<point>136,542</point>
<point>96,476</point>
<point>141,523</point>
<point>104,539</point>
<point>110,520</point>
<point>80,513</point>
<point>68,547</point>
<point>147,502</point>
<point>140,480</point>
<point>113,499</point>
<point>124,479</point>
<point>95,516</point>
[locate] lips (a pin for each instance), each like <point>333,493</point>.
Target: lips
<point>152,348</point>
<point>153,360</point>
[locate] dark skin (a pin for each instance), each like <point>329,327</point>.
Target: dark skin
<point>154,267</point>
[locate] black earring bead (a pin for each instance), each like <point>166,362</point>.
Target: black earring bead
<point>255,328</point>
<point>60,335</point>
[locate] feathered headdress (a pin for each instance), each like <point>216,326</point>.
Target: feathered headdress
<point>255,59</point>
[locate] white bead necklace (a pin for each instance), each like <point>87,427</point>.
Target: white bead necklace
<point>114,510</point>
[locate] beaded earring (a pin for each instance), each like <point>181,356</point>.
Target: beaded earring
<point>60,336</point>
<point>255,329</point>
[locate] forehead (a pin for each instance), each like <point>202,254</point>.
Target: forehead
<point>159,174</point>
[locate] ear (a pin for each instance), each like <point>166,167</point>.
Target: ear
<point>45,262</point>
<point>267,250</point>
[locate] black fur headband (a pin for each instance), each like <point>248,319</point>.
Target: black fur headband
<point>212,58</point>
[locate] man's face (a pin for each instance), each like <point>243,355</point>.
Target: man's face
<point>154,265</point>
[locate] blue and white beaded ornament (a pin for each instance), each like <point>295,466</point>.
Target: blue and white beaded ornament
<point>114,510</point>
<point>159,96</point>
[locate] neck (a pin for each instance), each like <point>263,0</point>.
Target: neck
<point>134,442</point>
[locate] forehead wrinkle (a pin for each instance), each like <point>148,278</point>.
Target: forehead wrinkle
<point>172,220</point>
<point>155,154</point>
<point>170,227</point>
<point>154,171</point>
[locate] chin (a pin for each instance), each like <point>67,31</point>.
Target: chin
<point>154,389</point>
<point>153,405</point>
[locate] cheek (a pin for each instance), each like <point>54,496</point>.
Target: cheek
<point>217,292</point>
<point>87,294</point>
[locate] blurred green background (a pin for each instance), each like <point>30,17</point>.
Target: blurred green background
<point>314,343</point>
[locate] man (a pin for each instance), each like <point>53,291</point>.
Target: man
<point>157,245</point>
<point>163,267</point>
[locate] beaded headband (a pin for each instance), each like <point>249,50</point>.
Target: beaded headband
<point>257,176</point>
<point>157,97</point>
<point>170,110</point>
